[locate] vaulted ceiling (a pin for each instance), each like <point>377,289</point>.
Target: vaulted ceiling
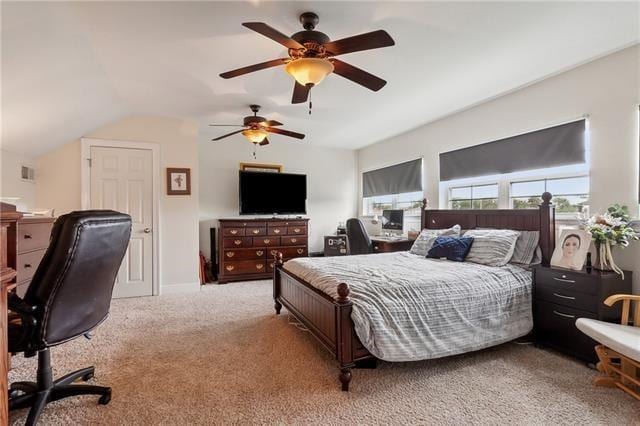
<point>69,68</point>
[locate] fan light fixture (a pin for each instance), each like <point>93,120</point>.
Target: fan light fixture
<point>309,71</point>
<point>255,136</point>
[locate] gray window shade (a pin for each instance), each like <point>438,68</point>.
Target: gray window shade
<point>404,177</point>
<point>556,146</point>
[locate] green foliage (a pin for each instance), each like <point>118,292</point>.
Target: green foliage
<point>619,212</point>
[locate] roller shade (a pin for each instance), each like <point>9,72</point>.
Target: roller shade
<point>404,177</point>
<point>555,146</point>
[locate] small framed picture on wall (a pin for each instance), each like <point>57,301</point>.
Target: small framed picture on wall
<point>178,181</point>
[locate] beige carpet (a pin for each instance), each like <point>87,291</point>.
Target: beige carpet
<point>222,356</point>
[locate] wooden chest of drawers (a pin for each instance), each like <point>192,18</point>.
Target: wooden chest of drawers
<point>31,241</point>
<point>247,247</point>
<point>561,296</point>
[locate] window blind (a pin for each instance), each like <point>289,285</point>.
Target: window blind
<point>403,177</point>
<point>555,146</point>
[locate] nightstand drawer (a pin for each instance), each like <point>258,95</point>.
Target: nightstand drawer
<point>567,281</point>
<point>567,297</point>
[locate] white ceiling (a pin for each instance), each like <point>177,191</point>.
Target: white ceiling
<point>68,68</point>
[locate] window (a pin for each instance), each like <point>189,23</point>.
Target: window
<point>474,197</point>
<point>410,202</point>
<point>570,194</point>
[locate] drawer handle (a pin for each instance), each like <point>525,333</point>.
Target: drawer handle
<point>300,251</point>
<point>256,231</point>
<point>230,254</point>
<point>276,231</point>
<point>294,240</point>
<point>296,230</point>
<point>564,297</point>
<point>27,236</point>
<point>259,266</point>
<point>237,242</point>
<point>564,280</point>
<point>259,253</point>
<point>564,315</point>
<point>233,231</point>
<point>267,241</point>
<point>27,265</point>
<point>230,268</point>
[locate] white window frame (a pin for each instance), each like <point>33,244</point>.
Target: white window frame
<point>394,205</point>
<point>471,185</point>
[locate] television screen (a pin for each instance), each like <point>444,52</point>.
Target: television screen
<point>272,193</point>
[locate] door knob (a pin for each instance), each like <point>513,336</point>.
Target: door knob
<point>147,230</point>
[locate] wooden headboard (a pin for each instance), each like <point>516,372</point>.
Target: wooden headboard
<point>541,219</point>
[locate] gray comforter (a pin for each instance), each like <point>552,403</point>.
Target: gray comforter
<point>408,308</point>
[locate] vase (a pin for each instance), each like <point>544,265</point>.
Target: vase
<point>602,259</point>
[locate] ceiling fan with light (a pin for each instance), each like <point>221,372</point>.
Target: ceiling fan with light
<point>256,128</point>
<point>312,56</point>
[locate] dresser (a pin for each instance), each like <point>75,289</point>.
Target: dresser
<point>561,296</point>
<point>247,246</point>
<point>388,245</point>
<point>30,240</point>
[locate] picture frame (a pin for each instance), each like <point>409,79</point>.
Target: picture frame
<point>261,167</point>
<point>571,249</point>
<point>178,181</point>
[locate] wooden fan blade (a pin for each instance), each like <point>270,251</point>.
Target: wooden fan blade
<point>357,75</point>
<point>300,93</point>
<point>367,41</point>
<point>252,68</point>
<point>264,142</point>
<point>273,34</point>
<point>227,135</point>
<point>284,132</point>
<point>271,123</point>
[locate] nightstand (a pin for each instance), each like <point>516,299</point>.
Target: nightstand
<point>388,245</point>
<point>561,296</point>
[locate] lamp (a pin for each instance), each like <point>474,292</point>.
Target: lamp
<point>254,135</point>
<point>309,71</point>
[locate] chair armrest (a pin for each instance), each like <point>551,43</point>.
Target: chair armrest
<point>613,299</point>
<point>28,320</point>
<point>17,305</point>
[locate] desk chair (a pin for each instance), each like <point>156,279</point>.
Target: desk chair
<point>69,296</point>
<point>359,241</point>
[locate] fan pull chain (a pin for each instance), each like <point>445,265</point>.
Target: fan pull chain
<point>310,103</point>
<point>254,151</point>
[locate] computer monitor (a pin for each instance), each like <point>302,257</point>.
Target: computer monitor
<point>392,220</point>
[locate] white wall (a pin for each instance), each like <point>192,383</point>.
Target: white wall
<point>607,89</point>
<point>59,188</point>
<point>12,185</point>
<point>331,182</point>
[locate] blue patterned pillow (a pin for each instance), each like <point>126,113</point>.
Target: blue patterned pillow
<point>452,248</point>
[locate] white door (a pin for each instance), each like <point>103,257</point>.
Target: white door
<point>122,180</point>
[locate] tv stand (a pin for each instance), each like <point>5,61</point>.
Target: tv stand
<point>247,246</point>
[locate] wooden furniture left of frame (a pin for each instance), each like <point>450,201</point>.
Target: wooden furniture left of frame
<point>260,167</point>
<point>178,181</point>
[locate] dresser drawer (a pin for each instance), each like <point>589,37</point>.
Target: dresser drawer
<point>21,288</point>
<point>32,236</point>
<point>242,224</point>
<point>237,242</point>
<point>277,230</point>
<point>27,263</point>
<point>556,326</point>
<point>245,267</point>
<point>567,297</point>
<point>567,281</point>
<point>244,254</point>
<point>254,231</point>
<point>294,241</point>
<point>233,232</point>
<point>268,241</point>
<point>297,230</point>
<point>287,252</point>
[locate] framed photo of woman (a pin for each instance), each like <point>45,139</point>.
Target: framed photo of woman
<point>571,249</point>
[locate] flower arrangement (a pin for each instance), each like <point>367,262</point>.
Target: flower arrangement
<point>608,230</point>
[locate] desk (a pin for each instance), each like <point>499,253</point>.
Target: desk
<point>390,244</point>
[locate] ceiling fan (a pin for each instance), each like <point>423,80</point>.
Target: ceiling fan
<point>312,56</point>
<point>256,128</point>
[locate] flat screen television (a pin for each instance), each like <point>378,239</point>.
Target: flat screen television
<point>272,193</point>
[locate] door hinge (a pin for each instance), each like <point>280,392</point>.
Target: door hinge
<point>89,160</point>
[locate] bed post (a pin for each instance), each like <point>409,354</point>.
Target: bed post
<point>422,214</point>
<point>547,228</point>
<point>344,329</point>
<point>277,265</point>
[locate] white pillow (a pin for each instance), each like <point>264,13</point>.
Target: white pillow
<point>492,247</point>
<point>425,240</point>
<point>526,246</point>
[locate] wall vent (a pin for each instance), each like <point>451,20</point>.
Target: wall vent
<point>27,173</point>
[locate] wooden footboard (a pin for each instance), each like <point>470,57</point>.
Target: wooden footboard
<point>327,319</point>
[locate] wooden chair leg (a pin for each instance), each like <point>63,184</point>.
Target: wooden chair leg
<point>619,371</point>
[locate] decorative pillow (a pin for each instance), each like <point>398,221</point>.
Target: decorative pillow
<point>426,238</point>
<point>526,246</point>
<point>452,248</point>
<point>492,247</point>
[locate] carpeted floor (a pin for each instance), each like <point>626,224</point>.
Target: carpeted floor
<point>222,356</point>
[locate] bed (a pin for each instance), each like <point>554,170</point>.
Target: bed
<point>309,290</point>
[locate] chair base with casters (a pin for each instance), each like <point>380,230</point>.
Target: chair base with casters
<point>619,351</point>
<point>37,395</point>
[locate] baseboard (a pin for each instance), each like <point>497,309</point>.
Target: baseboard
<point>180,288</point>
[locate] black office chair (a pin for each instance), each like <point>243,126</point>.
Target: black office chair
<point>69,296</point>
<point>359,241</point>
